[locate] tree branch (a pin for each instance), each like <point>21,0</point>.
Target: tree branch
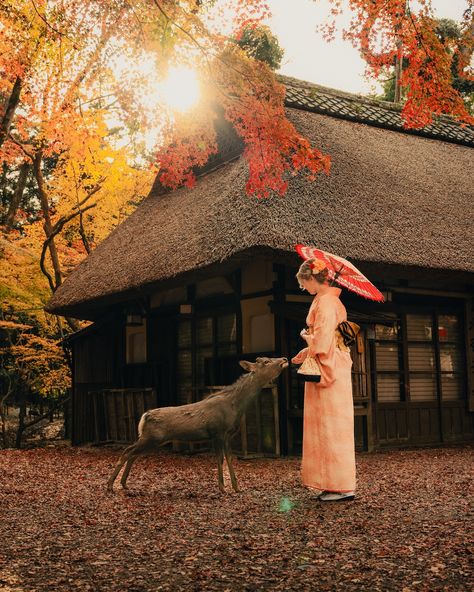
<point>45,415</point>
<point>55,231</point>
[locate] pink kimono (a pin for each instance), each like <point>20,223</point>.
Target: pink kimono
<point>328,460</point>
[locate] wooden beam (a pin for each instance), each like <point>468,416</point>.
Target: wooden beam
<point>425,292</point>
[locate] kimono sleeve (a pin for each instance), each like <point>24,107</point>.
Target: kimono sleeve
<point>325,324</point>
<point>300,356</point>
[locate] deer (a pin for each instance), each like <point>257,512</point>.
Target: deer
<point>215,418</point>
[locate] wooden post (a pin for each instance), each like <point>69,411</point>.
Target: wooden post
<point>469,344</point>
<point>370,405</point>
<point>106,415</point>
<point>94,396</point>
<point>130,417</point>
<point>115,417</point>
<point>276,421</point>
<point>258,422</point>
<point>124,422</point>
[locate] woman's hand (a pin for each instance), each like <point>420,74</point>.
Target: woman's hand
<point>304,334</point>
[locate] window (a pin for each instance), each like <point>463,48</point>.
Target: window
<point>434,358</point>
<point>202,341</point>
<point>421,357</point>
<point>135,343</point>
<point>226,335</point>
<point>387,359</point>
<point>451,360</point>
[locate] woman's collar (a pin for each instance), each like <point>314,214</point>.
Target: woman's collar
<point>326,289</point>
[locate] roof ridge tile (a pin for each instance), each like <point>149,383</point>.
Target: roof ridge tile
<point>318,99</point>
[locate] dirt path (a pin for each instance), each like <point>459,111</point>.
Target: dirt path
<point>409,529</point>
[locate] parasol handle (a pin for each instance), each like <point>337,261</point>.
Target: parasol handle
<point>333,281</point>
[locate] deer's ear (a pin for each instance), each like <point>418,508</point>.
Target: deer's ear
<point>248,366</point>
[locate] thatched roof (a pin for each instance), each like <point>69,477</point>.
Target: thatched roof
<point>391,198</point>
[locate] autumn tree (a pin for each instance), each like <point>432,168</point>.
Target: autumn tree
<point>449,33</point>
<point>388,31</point>
<point>65,180</point>
<point>30,362</point>
<point>54,130</point>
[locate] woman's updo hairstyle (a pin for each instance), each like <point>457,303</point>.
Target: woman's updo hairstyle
<point>312,268</point>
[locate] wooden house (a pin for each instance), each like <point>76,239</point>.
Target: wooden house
<point>195,280</point>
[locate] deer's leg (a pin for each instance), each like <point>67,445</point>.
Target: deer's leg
<point>219,449</point>
<point>125,456</point>
<point>228,457</point>
<point>126,472</point>
<point>139,449</point>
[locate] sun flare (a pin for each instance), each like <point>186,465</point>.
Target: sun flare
<point>160,98</point>
<point>180,89</point>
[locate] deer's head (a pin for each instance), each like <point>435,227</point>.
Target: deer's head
<point>266,369</point>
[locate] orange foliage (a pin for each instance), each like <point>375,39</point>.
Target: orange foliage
<point>384,30</point>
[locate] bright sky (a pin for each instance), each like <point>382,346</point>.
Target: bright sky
<point>336,64</point>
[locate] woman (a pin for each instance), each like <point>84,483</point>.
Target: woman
<point>328,463</point>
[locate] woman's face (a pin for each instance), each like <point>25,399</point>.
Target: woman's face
<point>312,285</point>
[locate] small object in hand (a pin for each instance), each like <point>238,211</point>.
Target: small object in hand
<point>309,370</point>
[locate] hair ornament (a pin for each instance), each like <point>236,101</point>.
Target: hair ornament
<point>317,266</point>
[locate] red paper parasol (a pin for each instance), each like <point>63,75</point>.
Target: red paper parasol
<point>343,272</point>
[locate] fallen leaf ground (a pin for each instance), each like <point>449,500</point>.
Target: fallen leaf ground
<point>410,527</point>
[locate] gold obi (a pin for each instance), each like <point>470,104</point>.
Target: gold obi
<point>340,342</point>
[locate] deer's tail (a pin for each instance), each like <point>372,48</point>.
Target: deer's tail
<point>142,423</point>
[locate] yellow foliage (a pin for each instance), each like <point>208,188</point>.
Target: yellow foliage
<point>39,361</point>
<point>91,162</point>
<point>14,326</point>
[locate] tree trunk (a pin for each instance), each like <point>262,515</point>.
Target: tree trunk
<point>51,231</point>
<point>14,98</point>
<point>47,224</point>
<point>82,232</point>
<point>67,409</point>
<point>21,420</point>
<point>10,109</point>
<point>3,185</point>
<point>16,199</point>
<point>2,418</point>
